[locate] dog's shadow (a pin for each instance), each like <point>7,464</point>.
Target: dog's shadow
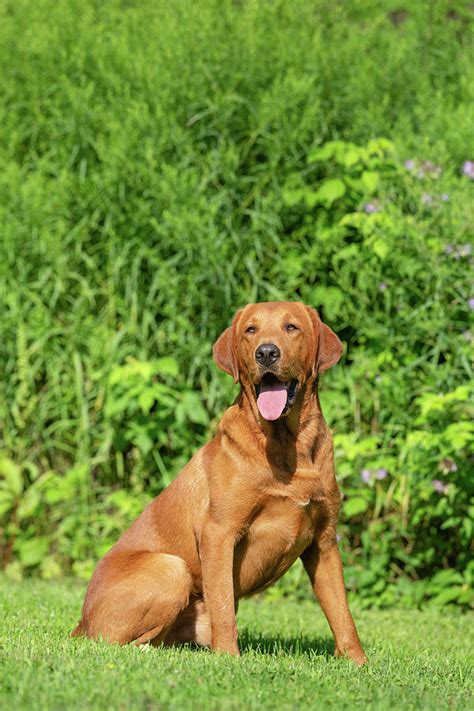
<point>278,646</point>
<point>275,646</point>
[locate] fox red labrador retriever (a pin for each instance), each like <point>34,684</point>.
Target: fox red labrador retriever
<point>260,494</point>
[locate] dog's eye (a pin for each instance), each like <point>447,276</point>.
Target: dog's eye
<point>291,327</point>
<point>250,329</point>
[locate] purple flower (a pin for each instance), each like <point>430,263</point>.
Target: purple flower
<point>338,538</point>
<point>383,286</point>
<point>439,487</point>
<point>426,168</point>
<point>429,167</point>
<point>448,465</point>
<point>368,474</point>
<point>444,197</point>
<point>468,168</point>
<point>370,208</point>
<point>464,250</point>
<point>471,304</point>
<point>426,199</point>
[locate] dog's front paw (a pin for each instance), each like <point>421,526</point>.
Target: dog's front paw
<point>232,649</point>
<point>355,653</point>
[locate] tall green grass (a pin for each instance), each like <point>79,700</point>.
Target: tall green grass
<point>146,151</point>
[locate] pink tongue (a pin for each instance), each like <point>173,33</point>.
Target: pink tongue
<point>272,400</point>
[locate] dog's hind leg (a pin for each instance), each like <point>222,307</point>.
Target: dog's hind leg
<point>193,625</point>
<point>135,597</point>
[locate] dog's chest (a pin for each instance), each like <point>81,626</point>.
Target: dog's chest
<point>305,488</point>
<point>277,536</point>
<point>295,504</point>
<point>284,524</point>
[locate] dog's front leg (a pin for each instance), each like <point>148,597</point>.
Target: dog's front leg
<point>217,560</point>
<point>324,568</point>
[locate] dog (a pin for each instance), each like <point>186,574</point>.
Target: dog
<point>258,496</point>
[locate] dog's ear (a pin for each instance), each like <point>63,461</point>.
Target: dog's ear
<point>224,354</point>
<point>330,348</point>
<point>327,346</point>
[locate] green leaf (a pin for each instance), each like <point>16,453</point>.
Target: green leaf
<point>50,568</point>
<point>355,506</point>
<point>380,146</point>
<point>29,502</point>
<point>115,406</point>
<point>7,501</point>
<point>58,488</point>
<point>380,247</point>
<point>370,180</point>
<point>167,366</point>
<point>444,578</point>
<point>146,400</point>
<point>33,551</point>
<point>353,155</point>
<point>459,434</point>
<point>11,473</point>
<point>292,264</point>
<point>331,298</point>
<point>191,408</point>
<point>437,402</point>
<point>468,526</point>
<point>330,190</point>
<point>353,219</point>
<point>331,149</point>
<point>448,595</point>
<point>293,197</point>
<point>142,440</point>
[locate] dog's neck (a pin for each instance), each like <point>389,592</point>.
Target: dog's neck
<point>298,432</point>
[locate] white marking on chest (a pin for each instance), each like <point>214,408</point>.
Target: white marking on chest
<point>304,503</point>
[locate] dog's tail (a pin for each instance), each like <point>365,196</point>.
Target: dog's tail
<point>78,631</point>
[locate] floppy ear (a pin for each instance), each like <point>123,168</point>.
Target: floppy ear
<point>224,354</point>
<point>328,349</point>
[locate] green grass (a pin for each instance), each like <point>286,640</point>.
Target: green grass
<point>418,659</point>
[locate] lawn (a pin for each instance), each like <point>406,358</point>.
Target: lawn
<point>418,659</point>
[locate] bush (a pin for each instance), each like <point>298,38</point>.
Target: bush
<point>164,165</point>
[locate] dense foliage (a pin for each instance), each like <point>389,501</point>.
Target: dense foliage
<point>165,163</point>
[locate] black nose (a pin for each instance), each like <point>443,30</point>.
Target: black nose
<point>267,354</point>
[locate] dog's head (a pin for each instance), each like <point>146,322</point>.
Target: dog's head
<point>274,349</point>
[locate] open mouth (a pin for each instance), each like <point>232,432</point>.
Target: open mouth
<point>275,397</point>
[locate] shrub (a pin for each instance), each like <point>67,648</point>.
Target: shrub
<point>162,166</point>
